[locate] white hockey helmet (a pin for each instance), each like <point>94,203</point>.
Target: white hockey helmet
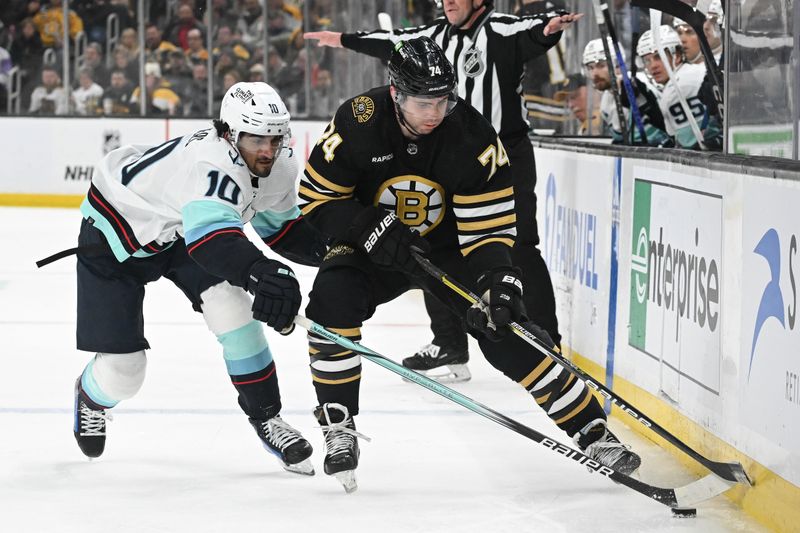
<point>594,51</point>
<point>670,41</point>
<point>715,8</point>
<point>256,108</point>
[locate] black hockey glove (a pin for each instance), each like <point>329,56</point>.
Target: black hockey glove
<point>276,294</point>
<point>502,303</point>
<point>387,240</point>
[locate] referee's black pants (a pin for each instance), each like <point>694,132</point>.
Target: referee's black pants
<point>448,329</point>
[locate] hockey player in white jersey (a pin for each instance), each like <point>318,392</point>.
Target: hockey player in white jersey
<point>177,210</point>
<point>596,66</point>
<point>685,86</point>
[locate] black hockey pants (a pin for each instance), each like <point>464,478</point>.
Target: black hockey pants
<point>346,292</point>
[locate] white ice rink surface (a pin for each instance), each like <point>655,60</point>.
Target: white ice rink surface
<point>181,457</point>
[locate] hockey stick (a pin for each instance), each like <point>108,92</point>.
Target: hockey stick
<point>695,19</point>
<point>655,24</point>
<point>612,76</point>
<point>601,14</point>
<point>676,498</point>
<point>733,472</point>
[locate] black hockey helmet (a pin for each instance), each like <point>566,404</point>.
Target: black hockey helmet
<point>418,67</point>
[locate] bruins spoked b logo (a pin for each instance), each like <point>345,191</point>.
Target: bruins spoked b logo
<point>363,108</point>
<point>418,202</point>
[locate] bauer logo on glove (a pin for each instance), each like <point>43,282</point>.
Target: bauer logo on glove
<point>376,233</point>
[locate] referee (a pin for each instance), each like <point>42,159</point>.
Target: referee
<point>489,51</point>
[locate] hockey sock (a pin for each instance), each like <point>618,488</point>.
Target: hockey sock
<point>252,370</point>
<point>566,399</point>
<point>335,371</point>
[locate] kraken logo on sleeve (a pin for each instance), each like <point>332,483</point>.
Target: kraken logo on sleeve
<point>363,108</point>
<point>418,202</point>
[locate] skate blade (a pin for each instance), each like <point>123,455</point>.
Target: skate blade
<point>348,480</point>
<point>447,374</point>
<point>304,468</point>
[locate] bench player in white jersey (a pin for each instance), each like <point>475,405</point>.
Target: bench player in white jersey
<point>596,67</point>
<point>686,83</point>
<point>177,210</point>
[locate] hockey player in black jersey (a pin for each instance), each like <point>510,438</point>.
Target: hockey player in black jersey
<point>411,165</point>
<point>489,51</point>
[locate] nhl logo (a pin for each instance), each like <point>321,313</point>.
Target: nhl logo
<point>472,63</point>
<point>411,149</point>
<point>111,140</point>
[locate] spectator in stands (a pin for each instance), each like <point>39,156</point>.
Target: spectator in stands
<point>226,39</point>
<point>256,73</point>
<point>178,30</point>
<point>281,23</point>
<point>286,79</point>
<point>93,58</point>
<point>88,96</point>
<point>224,14</point>
<point>161,98</point>
<point>292,15</point>
<point>122,62</point>
<point>14,11</point>
<point>49,98</point>
<point>576,97</point>
<point>95,13</point>
<point>251,23</point>
<point>117,97</point>
<point>50,23</point>
<point>156,48</point>
<point>196,53</point>
<point>178,72</point>
<point>129,40</point>
<point>26,53</point>
<point>196,104</point>
<point>226,61</point>
<point>231,78</point>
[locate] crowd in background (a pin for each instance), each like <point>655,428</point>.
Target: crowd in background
<point>560,94</point>
<point>176,66</point>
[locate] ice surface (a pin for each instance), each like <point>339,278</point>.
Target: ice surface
<point>181,457</point>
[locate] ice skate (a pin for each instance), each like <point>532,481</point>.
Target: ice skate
<point>341,441</point>
<point>442,363</point>
<point>89,426</point>
<point>286,443</point>
<point>607,449</point>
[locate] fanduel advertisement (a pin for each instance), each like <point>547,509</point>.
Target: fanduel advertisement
<point>770,355</point>
<point>574,206</point>
<point>675,278</point>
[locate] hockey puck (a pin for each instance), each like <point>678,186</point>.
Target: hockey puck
<point>684,513</point>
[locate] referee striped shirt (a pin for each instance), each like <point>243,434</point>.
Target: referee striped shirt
<point>489,59</point>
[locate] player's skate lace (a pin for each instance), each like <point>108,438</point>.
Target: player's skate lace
<point>430,351</point>
<point>279,433</point>
<point>93,422</point>
<point>607,449</point>
<point>339,435</point>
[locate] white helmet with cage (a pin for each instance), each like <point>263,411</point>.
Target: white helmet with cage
<point>594,51</point>
<point>255,108</point>
<point>670,41</point>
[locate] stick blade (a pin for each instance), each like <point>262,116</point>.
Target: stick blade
<point>701,490</point>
